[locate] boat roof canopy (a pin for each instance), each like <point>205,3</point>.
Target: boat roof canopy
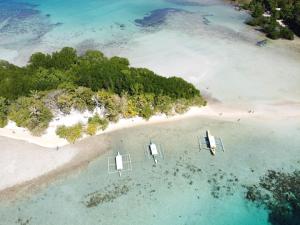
<point>119,162</point>
<point>153,149</point>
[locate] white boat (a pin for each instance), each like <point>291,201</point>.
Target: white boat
<point>211,142</point>
<point>119,163</point>
<point>153,151</point>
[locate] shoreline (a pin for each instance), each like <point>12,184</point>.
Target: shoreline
<point>214,111</point>
<point>75,156</point>
<point>84,155</point>
<point>53,141</point>
<point>23,149</point>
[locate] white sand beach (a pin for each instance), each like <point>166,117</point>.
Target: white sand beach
<point>25,157</point>
<point>51,140</point>
<point>216,111</point>
<point>21,161</point>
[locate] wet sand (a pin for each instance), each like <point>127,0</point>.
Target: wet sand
<point>83,153</point>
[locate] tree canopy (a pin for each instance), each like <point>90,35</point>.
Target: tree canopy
<point>64,81</point>
<point>287,11</point>
<point>92,70</point>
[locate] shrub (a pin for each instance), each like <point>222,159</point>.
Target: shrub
<point>65,102</point>
<point>181,106</point>
<point>258,21</point>
<point>272,29</point>
<point>163,104</point>
<point>3,112</point>
<point>146,112</point>
<point>95,124</point>
<point>31,113</point>
<point>92,129</point>
<point>61,131</point>
<point>286,33</point>
<point>131,110</point>
<point>71,133</point>
<point>128,106</point>
<point>80,98</point>
<point>83,99</point>
<point>274,34</point>
<point>144,104</point>
<point>112,104</point>
<point>197,101</point>
<point>258,10</point>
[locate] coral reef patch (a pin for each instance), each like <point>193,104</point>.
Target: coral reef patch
<point>156,17</point>
<point>279,193</point>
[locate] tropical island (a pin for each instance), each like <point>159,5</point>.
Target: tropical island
<point>276,18</point>
<point>108,88</point>
<point>253,95</point>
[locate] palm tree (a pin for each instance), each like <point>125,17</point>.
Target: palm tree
<point>34,111</point>
<point>34,94</point>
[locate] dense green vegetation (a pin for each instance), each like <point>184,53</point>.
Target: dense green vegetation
<point>3,112</point>
<point>62,81</point>
<point>71,133</point>
<point>65,69</point>
<point>286,10</point>
<point>95,124</point>
<point>30,112</point>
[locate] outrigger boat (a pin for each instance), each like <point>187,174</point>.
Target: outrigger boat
<point>153,151</point>
<point>211,142</point>
<point>119,163</point>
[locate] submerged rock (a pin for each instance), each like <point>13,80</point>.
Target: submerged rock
<point>24,21</point>
<point>262,43</point>
<point>156,17</point>
<point>278,192</point>
<point>23,221</point>
<point>222,184</point>
<point>99,197</point>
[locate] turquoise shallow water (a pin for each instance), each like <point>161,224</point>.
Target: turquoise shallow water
<point>48,25</point>
<point>187,187</point>
<point>209,45</point>
<point>205,42</point>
